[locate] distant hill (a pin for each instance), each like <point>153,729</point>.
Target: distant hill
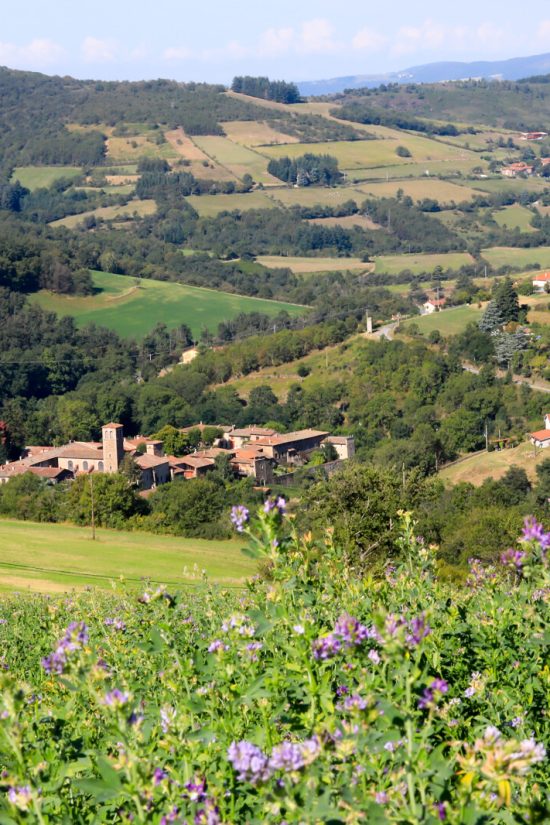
<point>512,69</point>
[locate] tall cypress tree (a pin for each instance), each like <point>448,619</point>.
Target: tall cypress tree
<point>506,299</point>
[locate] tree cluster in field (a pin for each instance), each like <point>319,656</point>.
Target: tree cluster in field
<point>266,89</point>
<point>307,170</point>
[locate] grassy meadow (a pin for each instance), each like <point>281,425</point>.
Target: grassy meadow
<point>132,308</point>
<point>238,159</point>
<point>208,206</point>
<point>481,466</point>
<point>419,263</point>
<point>499,256</point>
<point>515,216</point>
<point>308,265</point>
<point>109,213</point>
<point>37,177</point>
<point>448,321</point>
<point>443,191</point>
<point>59,557</point>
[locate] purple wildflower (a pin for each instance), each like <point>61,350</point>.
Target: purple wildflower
<point>253,648</point>
<point>441,811</point>
<point>348,632</point>
<point>381,797</point>
<point>374,657</point>
<point>277,505</point>
<point>196,791</point>
<point>159,776</point>
<point>217,645</point>
<point>286,757</point>
<point>432,693</point>
<point>418,630</point>
<point>75,636</point>
<point>251,763</point>
<point>118,624</point>
<point>354,702</point>
<point>20,796</point>
<point>208,815</point>
<point>534,531</point>
<point>514,559</point>
<point>115,699</point>
<point>239,517</point>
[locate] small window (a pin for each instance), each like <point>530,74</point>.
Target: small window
<point>100,466</point>
<point>70,464</point>
<point>84,465</point>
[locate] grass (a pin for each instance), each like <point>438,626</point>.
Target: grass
<point>363,154</point>
<point>38,177</point>
<point>394,264</point>
<point>448,321</point>
<point>255,133</point>
<point>132,308</point>
<point>511,185</point>
<point>515,216</point>
<point>477,468</point>
<point>210,205</point>
<point>440,190</point>
<point>133,147</point>
<point>314,195</point>
<point>59,557</point>
<point>306,265</point>
<point>109,213</point>
<point>238,159</point>
<point>499,256</point>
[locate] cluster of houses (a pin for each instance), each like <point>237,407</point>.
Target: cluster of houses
<point>253,452</point>
<point>522,169</point>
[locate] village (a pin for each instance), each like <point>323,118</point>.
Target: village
<point>252,452</point>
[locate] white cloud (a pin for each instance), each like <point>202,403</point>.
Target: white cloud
<point>369,40</point>
<point>40,52</point>
<point>95,50</point>
<point>274,42</point>
<point>177,53</point>
<point>317,37</point>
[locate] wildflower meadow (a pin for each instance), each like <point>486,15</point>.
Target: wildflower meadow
<point>314,694</point>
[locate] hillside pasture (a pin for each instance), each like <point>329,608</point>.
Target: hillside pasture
<point>304,265</point>
<point>38,177</point>
<point>419,263</point>
<point>516,185</point>
<point>108,213</point>
<point>363,154</point>
<point>499,256</point>
<point>132,308</point>
<point>209,206</point>
<point>255,133</point>
<point>131,147</point>
<point>346,222</point>
<point>239,160</point>
<point>443,191</point>
<point>481,466</point>
<point>515,216</point>
<point>50,558</point>
<point>316,195</point>
<point>448,321</point>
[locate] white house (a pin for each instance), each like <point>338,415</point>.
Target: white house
<point>541,438</point>
<point>540,281</point>
<point>433,305</point>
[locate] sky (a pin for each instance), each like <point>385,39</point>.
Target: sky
<point>287,39</point>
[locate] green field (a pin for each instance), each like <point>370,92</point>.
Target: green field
<point>314,195</point>
<point>443,191</point>
<point>210,205</point>
<point>394,264</point>
<point>36,177</point>
<point>363,154</point>
<point>133,308</point>
<point>238,159</point>
<point>109,213</point>
<point>308,265</point>
<point>448,321</point>
<point>59,557</point>
<point>481,466</point>
<point>499,256</point>
<point>515,216</point>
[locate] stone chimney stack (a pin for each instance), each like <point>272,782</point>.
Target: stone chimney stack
<point>113,446</point>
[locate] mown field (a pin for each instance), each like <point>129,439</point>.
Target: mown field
<point>506,255</point>
<point>308,265</point>
<point>238,159</point>
<point>443,191</point>
<point>477,468</point>
<point>394,264</point>
<point>448,321</point>
<point>210,205</point>
<point>132,308</point>
<point>36,177</point>
<point>59,557</point>
<point>109,213</point>
<point>515,216</point>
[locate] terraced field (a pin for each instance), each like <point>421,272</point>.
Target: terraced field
<point>133,307</point>
<point>394,264</point>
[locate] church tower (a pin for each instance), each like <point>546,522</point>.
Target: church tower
<point>113,447</point>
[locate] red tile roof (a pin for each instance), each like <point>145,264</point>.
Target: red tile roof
<point>544,276</point>
<point>541,435</point>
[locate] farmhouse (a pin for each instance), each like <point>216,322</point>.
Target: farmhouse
<point>433,305</point>
<point>533,135</point>
<point>541,438</point>
<point>515,169</point>
<point>540,281</point>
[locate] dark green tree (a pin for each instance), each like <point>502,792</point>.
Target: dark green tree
<point>506,299</point>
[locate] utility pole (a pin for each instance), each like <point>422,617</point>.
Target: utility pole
<point>486,438</point>
<point>93,508</point>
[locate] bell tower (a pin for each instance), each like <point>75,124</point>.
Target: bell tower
<point>113,446</point>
